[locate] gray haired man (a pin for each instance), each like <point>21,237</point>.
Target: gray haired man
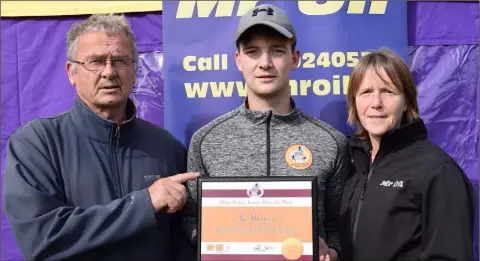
<point>96,182</point>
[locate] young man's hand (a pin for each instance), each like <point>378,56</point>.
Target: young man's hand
<point>327,254</point>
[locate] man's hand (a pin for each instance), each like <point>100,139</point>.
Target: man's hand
<point>170,192</point>
<point>327,254</point>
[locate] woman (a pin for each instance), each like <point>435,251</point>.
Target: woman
<point>405,199</point>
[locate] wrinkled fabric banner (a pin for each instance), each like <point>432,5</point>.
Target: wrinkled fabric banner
<point>447,83</point>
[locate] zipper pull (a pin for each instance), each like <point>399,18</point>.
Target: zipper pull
<point>117,137</point>
<point>364,188</point>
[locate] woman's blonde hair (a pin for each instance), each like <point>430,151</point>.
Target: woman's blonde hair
<point>398,72</point>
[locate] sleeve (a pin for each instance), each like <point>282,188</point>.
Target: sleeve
<point>333,197</point>
<point>447,209</point>
<point>45,226</point>
<point>194,164</point>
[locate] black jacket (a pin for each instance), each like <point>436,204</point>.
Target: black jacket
<point>75,188</point>
<point>413,203</point>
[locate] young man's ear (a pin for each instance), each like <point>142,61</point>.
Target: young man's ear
<point>296,59</point>
<point>237,59</point>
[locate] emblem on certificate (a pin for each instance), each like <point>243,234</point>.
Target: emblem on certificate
<point>257,218</point>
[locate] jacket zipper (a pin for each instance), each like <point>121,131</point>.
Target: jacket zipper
<point>353,190</point>
<point>269,117</point>
<point>359,204</point>
<point>116,171</point>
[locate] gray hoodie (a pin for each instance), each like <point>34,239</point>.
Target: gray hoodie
<point>252,143</point>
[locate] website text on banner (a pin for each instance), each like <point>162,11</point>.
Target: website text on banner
<point>201,78</point>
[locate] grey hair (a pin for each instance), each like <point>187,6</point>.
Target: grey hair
<point>110,24</point>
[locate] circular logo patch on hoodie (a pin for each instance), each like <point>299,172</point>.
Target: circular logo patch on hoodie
<point>298,156</point>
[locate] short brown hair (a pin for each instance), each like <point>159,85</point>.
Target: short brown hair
<point>400,75</point>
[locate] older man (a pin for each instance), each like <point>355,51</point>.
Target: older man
<point>96,182</point>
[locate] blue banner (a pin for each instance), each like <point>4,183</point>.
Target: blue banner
<point>201,80</point>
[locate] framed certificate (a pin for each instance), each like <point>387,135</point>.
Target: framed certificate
<point>257,218</point>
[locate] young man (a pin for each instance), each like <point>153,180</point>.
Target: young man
<point>268,135</point>
<point>96,183</point>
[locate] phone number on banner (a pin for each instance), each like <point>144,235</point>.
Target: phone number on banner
<point>311,60</point>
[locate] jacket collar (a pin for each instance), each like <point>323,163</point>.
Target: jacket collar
<point>395,139</point>
<point>260,117</point>
<point>98,128</point>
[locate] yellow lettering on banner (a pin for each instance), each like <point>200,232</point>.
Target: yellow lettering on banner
<point>204,8</point>
<point>336,85</point>
<point>218,89</point>
<point>338,59</point>
<point>205,64</point>
<point>346,80</point>
<point>323,60</point>
<point>356,7</point>
<point>309,58</point>
<point>187,63</point>
<point>333,6</point>
<point>241,89</point>
<point>221,89</point>
<point>378,7</point>
<point>293,87</point>
<point>352,59</point>
<point>196,90</point>
<point>186,9</point>
<point>365,53</point>
<point>304,85</point>
<point>314,8</point>
<point>245,6</point>
<point>325,90</point>
<point>215,63</point>
<point>320,87</point>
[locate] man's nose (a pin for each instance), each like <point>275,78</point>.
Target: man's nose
<point>109,71</point>
<point>265,61</point>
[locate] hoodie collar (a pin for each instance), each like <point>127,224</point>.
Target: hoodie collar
<point>260,117</point>
<point>98,128</point>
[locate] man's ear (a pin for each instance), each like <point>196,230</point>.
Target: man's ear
<point>237,60</point>
<point>70,68</point>
<point>295,59</point>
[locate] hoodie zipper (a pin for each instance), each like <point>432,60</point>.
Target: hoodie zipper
<point>116,171</point>
<point>269,118</point>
